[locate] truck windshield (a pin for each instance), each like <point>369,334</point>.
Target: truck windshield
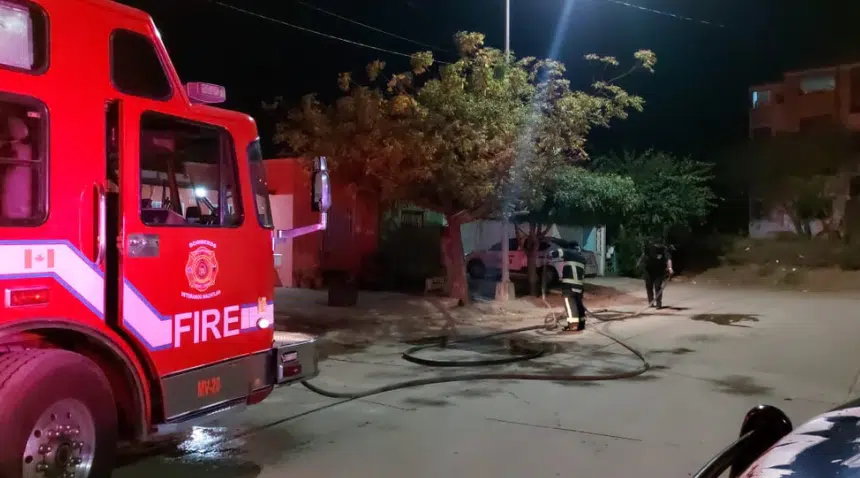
<point>259,186</point>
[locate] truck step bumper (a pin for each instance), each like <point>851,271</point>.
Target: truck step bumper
<point>294,358</point>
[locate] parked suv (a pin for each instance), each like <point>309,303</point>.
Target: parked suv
<point>478,263</point>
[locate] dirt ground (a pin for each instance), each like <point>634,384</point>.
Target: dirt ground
<point>596,297</point>
<point>780,278</point>
<point>381,316</point>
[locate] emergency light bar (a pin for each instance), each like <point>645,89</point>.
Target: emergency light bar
<point>206,93</point>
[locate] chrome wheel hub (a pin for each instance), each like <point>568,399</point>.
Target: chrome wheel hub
<point>62,442</point>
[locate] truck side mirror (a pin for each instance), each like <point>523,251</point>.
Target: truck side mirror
<point>320,187</point>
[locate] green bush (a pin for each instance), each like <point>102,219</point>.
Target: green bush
<point>408,255</point>
<point>627,251</point>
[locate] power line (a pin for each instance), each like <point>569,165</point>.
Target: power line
<point>664,13</point>
<point>369,27</point>
<point>315,32</point>
<point>407,55</point>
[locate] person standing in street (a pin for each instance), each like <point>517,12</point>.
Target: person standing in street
<point>658,265</point>
<point>572,286</point>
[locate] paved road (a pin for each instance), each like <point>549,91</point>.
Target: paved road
<point>722,352</point>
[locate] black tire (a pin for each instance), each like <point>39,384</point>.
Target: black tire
<point>477,270</point>
<point>34,382</point>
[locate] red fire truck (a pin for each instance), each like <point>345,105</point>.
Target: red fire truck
<point>136,243</point>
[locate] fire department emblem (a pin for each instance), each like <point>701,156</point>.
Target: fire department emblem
<point>201,268</point>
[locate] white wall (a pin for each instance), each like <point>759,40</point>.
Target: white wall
<point>776,223</point>
<point>481,235</point>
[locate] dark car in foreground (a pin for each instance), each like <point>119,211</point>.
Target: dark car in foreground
<point>825,446</point>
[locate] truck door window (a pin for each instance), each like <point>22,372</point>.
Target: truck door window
<point>135,67</point>
<point>23,36</point>
<point>188,174</point>
<point>23,161</point>
<point>259,186</point>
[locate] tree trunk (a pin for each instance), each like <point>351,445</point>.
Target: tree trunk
<point>531,259</point>
<point>801,226</point>
<point>456,284</point>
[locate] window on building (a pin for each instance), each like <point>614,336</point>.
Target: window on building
<point>135,67</point>
<point>412,218</point>
<point>761,98</point>
<point>23,36</point>
<point>816,83</point>
<point>188,174</point>
<point>23,161</point>
<point>259,186</point>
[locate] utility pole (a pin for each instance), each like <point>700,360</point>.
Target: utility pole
<point>503,288</point>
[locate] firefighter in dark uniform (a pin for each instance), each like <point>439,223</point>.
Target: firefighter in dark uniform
<point>572,287</point>
<point>658,262</point>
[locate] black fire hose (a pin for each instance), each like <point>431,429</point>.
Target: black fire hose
<point>442,342</point>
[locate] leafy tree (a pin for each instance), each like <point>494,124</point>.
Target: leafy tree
<point>672,192</point>
<point>794,172</point>
<point>545,182</point>
<point>449,138</point>
<point>574,195</point>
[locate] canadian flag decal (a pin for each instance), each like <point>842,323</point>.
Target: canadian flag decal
<point>39,259</point>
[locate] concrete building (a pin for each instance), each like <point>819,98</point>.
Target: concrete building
<point>803,100</point>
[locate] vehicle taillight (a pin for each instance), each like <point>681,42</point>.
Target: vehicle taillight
<point>291,365</point>
<point>27,297</point>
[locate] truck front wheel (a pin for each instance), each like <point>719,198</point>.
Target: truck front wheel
<point>58,416</point>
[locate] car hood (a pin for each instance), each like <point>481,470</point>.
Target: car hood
<point>826,446</point>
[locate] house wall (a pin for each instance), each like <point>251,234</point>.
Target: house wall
<point>352,230</point>
<point>787,109</point>
<point>481,235</point>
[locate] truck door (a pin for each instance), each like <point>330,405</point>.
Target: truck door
<point>188,287</point>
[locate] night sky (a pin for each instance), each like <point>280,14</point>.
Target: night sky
<point>696,101</point>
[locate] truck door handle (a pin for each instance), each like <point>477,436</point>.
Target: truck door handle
<point>101,217</point>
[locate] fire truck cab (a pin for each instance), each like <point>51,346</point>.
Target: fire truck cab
<point>136,243</point>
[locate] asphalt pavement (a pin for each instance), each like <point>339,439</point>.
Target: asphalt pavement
<point>715,353</point>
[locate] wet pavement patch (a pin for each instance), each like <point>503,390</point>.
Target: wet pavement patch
<point>330,348</point>
<point>740,385</point>
<point>426,402</point>
<point>729,320</point>
<point>493,346</point>
<point>206,450</point>
<point>478,392</point>
<point>675,351</point>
